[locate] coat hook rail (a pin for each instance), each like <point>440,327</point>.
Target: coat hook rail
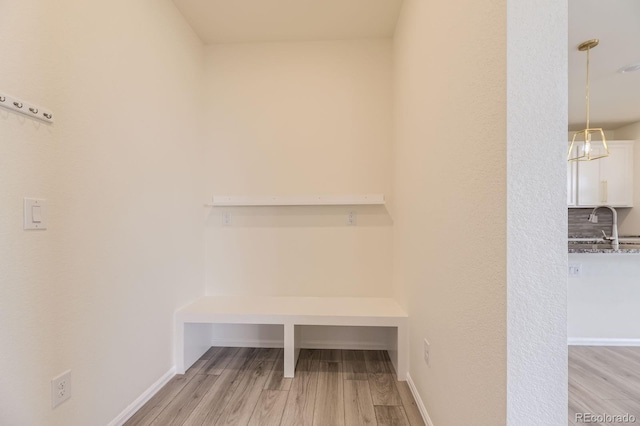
<point>25,108</point>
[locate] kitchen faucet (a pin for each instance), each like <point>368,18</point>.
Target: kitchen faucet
<point>593,218</point>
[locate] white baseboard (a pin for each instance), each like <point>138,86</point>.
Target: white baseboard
<point>247,343</point>
<point>419,402</point>
<point>598,341</point>
<point>304,344</point>
<point>341,344</point>
<point>142,399</point>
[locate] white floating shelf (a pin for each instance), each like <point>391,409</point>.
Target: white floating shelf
<point>296,200</point>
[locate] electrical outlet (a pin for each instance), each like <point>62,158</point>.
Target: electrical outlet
<point>575,270</point>
<point>60,388</point>
<point>226,219</point>
<point>427,352</point>
<point>352,219</point>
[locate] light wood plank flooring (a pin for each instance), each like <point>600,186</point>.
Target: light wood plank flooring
<point>245,386</point>
<point>604,380</point>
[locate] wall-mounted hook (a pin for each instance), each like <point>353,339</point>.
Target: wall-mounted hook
<point>17,105</point>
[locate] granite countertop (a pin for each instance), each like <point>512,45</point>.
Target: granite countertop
<point>580,244</point>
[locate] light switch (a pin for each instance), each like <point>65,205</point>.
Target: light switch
<point>35,213</point>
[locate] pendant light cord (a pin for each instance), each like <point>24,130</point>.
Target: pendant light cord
<point>588,93</point>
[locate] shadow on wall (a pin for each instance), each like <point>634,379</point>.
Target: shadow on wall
<point>299,217</point>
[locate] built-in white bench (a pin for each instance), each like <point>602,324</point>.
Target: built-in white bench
<point>291,313</point>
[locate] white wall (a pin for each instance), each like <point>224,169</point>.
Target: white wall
<point>299,118</point>
<point>311,336</point>
<point>604,301</point>
<point>474,284</point>
<point>120,168</point>
<point>449,207</point>
<point>537,107</point>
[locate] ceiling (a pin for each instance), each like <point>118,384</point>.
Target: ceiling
<point>615,97</point>
<point>233,21</point>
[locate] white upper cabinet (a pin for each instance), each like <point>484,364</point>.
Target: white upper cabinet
<point>607,181</point>
<point>572,187</point>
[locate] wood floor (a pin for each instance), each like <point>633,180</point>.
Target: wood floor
<point>604,380</point>
<point>245,386</point>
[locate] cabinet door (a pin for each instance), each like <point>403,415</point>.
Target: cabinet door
<point>590,191</point>
<point>571,183</point>
<point>608,180</point>
<point>616,175</point>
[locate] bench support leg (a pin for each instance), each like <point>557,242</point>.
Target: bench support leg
<point>191,342</point>
<point>291,349</point>
<point>402,368</point>
<point>180,367</point>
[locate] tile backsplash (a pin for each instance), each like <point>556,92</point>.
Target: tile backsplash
<point>579,226</point>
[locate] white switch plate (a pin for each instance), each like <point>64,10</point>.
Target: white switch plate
<point>35,213</point>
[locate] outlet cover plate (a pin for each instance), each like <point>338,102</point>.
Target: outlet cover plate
<point>60,388</point>
<point>226,219</point>
<point>575,269</point>
<point>352,219</point>
<point>427,352</point>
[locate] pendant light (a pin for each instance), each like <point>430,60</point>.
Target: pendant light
<point>583,147</point>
